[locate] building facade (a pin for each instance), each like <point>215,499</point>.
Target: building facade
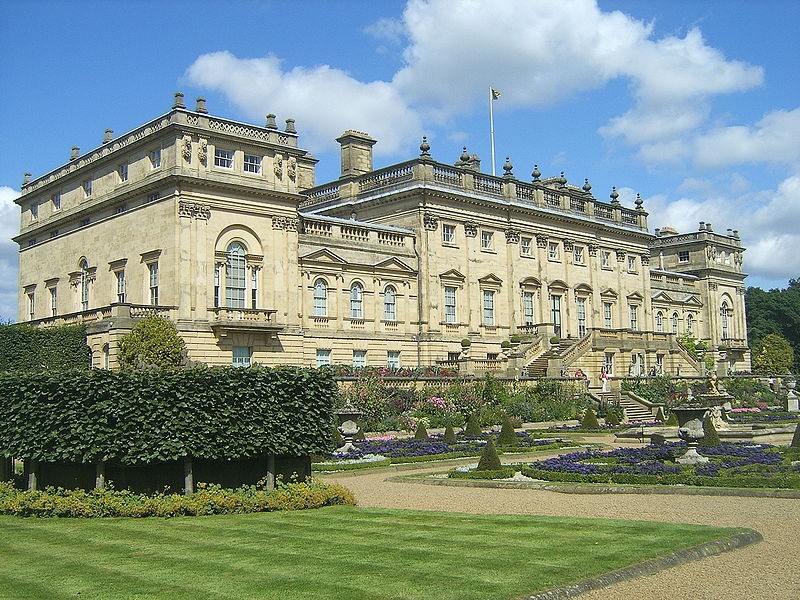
<point>219,226</point>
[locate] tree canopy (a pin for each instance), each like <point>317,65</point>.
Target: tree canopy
<point>153,341</point>
<point>775,312</point>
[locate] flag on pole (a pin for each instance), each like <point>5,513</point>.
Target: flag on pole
<point>495,94</point>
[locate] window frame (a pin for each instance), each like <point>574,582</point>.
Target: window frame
<point>357,301</point>
<point>252,164</point>
<point>390,304</point>
<point>241,356</point>
<point>320,298</point>
<point>448,234</point>
<point>488,308</point>
<point>487,240</point>
<point>152,280</point>
<point>450,304</point>
<point>236,275</point>
<point>223,158</point>
<point>553,251</point>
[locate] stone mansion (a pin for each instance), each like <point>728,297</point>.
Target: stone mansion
<point>219,226</point>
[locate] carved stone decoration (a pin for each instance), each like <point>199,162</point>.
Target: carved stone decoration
<point>711,253</point>
<point>292,224</point>
<point>737,258</point>
<point>279,222</point>
<point>430,221</point>
<point>194,210</point>
<point>740,291</point>
<point>593,249</point>
<point>512,235</point>
<point>470,228</point>
<point>291,168</point>
<point>541,240</point>
<point>645,259</point>
<point>278,166</point>
<point>620,256</point>
<point>569,245</point>
<point>202,152</point>
<point>712,286</point>
<point>186,148</point>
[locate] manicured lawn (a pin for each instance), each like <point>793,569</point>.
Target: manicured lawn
<point>340,552</point>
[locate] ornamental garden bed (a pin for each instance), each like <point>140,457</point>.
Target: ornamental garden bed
<point>385,451</point>
<point>731,464</point>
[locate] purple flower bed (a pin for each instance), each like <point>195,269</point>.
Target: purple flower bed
<point>760,416</point>
<point>728,458</point>
<point>434,445</point>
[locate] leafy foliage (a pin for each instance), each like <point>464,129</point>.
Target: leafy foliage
<point>208,500</point>
<point>158,415</point>
<point>153,342</point>
<point>711,437</point>
<point>773,355</point>
<point>775,312</point>
<point>33,349</point>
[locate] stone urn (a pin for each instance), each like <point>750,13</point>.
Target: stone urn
<point>690,430</point>
<point>348,417</point>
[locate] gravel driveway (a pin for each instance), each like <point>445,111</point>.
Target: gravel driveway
<point>767,570</point>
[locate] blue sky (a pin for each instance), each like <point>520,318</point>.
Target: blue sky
<point>694,105</point>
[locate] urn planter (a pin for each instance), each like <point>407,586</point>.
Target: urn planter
<point>690,430</point>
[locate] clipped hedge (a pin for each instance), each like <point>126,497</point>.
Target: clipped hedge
<point>32,349</point>
<point>151,416</point>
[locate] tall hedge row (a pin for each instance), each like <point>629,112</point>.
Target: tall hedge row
<point>27,348</point>
<point>146,416</point>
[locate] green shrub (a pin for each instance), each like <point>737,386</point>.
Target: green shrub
<point>450,435</point>
<point>508,436</point>
<point>360,435</point>
<point>489,460</point>
<point>613,415</point>
<point>208,500</point>
<point>466,343</point>
<point>27,348</point>
<point>516,338</point>
<point>796,437</point>
<point>505,344</point>
<point>711,438</point>
<point>589,420</point>
<point>660,414</point>
<point>152,342</point>
<point>672,420</point>
<point>421,433</point>
<point>473,428</point>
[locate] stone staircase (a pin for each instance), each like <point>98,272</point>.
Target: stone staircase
<point>538,366</point>
<point>636,408</point>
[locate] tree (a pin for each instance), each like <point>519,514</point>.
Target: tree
<point>152,342</point>
<point>775,312</point>
<point>773,355</point>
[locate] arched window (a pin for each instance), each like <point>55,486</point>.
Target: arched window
<point>320,298</point>
<point>390,304</point>
<point>724,313</point>
<point>689,324</point>
<point>84,285</point>
<point>356,301</point>
<point>235,280</point>
<point>660,322</point>
<point>675,323</point>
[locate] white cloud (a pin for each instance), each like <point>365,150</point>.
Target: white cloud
<point>9,254</point>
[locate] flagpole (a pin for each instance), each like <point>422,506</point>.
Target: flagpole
<point>491,124</point>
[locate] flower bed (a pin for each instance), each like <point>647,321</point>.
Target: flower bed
<point>746,416</point>
<point>405,450</point>
<point>730,464</point>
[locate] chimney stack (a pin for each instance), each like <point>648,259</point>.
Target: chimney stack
<point>356,153</point>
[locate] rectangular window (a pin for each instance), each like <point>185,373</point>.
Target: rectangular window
<point>56,200</point>
<point>393,359</point>
<point>87,188</point>
<point>581,317</point>
<point>223,158</point>
<point>449,304</point>
<point>555,314</point>
<point>153,197</point>
<point>608,363</point>
<point>578,255</point>
<point>607,315</point>
<point>660,364</point>
<point>525,246</point>
<point>527,308</point>
<point>389,304</point>
<point>53,301</point>
<point>634,310</point>
<point>31,305</point>
<point>683,256</point>
<point>34,211</point>
<point>632,264</point>
<point>217,285</point>
<point>323,357</point>
<point>122,171</point>
<point>488,307</point>
<point>241,356</point>
<point>155,158</point>
<point>448,234</point>
<point>487,243</point>
<point>252,163</point>
<point>253,289</point>
<point>605,259</point>
<point>153,281</point>
<point>120,286</point>
<point>359,358</point>
<point>552,250</point>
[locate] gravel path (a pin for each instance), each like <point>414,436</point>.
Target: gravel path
<point>767,570</point>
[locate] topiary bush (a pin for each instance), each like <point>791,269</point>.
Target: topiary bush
<point>796,437</point>
<point>489,460</point>
<point>613,415</point>
<point>711,438</point>
<point>589,420</point>
<point>152,342</point>
<point>508,436</point>
<point>473,428</point>
<point>449,435</point>
<point>421,433</point>
<point>672,420</point>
